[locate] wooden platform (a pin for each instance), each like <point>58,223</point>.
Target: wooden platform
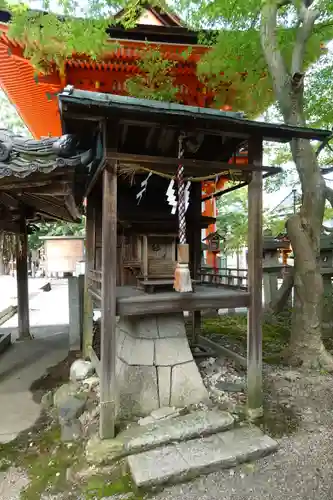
<point>132,301</point>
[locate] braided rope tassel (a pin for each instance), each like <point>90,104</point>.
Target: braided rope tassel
<point>181,196</point>
<point>182,281</point>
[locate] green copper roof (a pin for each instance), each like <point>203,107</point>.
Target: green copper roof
<point>221,121</point>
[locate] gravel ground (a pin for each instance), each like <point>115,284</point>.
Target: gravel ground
<point>299,415</point>
<point>303,466</point>
<point>12,482</point>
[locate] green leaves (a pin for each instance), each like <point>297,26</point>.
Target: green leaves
<point>55,229</point>
<point>155,79</point>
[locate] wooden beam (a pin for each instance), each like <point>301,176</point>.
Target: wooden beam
<point>196,193</point>
<point>71,207</point>
<point>60,188</point>
<point>171,302</point>
<point>22,280</point>
<point>9,200</point>
<point>221,192</point>
<point>102,164</point>
<point>48,207</point>
<point>10,227</point>
<point>90,254</point>
<point>255,252</point>
<point>219,166</point>
<point>108,327</point>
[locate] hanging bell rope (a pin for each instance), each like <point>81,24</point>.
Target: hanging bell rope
<point>182,278</point>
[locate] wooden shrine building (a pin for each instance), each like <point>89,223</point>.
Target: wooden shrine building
<point>133,232</point>
<point>123,156</point>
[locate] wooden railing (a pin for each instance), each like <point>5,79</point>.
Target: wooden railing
<point>95,285</point>
<point>231,277</point>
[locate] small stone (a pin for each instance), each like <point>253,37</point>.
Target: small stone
<point>71,431</point>
<point>80,370</point>
<point>71,408</point>
<point>146,420</point>
<point>47,400</point>
<point>64,392</point>
<point>90,383</point>
<point>292,376</point>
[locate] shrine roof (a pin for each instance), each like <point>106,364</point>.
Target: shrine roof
<point>232,123</point>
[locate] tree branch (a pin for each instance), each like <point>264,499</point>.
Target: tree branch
<point>327,229</point>
<point>329,195</point>
<point>325,171</point>
<point>307,16</point>
<point>273,55</point>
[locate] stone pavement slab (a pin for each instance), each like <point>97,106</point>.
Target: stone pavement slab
<point>163,432</point>
<point>186,460</point>
<point>20,366</point>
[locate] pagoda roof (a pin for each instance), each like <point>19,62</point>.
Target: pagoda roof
<point>34,96</point>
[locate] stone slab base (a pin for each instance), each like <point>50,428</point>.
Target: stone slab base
<point>183,461</point>
<point>155,367</point>
<point>142,438</point>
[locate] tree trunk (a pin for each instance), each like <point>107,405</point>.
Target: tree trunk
<point>306,347</point>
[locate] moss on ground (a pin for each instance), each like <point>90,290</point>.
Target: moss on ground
<point>100,486</point>
<point>232,330</point>
<point>46,459</point>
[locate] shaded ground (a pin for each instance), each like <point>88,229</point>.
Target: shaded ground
<point>20,366</point>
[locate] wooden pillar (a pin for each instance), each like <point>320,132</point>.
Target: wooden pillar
<point>254,325</point>
<point>90,261</point>
<point>196,253</point>
<point>22,281</point>
<point>108,326</point>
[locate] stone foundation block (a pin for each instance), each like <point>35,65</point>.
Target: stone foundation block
<point>155,366</point>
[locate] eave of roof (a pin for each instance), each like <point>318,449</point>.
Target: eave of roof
<point>221,121</point>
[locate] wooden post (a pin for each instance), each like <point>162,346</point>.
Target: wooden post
<point>90,261</point>
<point>108,326</point>
<point>22,281</point>
<point>145,257</point>
<point>254,324</point>
<point>196,253</point>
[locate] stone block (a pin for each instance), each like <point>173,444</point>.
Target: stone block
<point>145,327</point>
<point>171,326</point>
<point>71,431</point>
<point>157,466</point>
<point>80,370</point>
<point>172,351</point>
<point>164,384</point>
<point>138,390</point>
<point>165,413</point>
<point>187,386</point>
<point>137,351</point>
<point>193,425</point>
<point>189,459</point>
<point>100,452</point>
